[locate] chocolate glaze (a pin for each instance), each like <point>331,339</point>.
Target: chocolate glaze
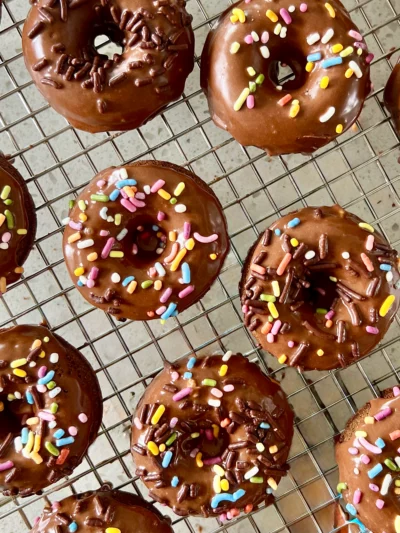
<point>391,96</point>
<point>93,92</point>
<point>355,297</point>
<point>268,125</point>
<point>377,520</point>
<point>96,511</point>
<point>22,214</point>
<point>79,393</point>
<point>255,399</point>
<point>203,212</point>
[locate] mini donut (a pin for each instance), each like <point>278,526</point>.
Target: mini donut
<point>391,96</point>
<point>50,409</point>
<point>97,93</point>
<point>211,436</point>
<point>240,71</point>
<point>145,241</point>
<point>17,224</point>
<point>320,288</point>
<point>102,511</point>
<point>368,459</point>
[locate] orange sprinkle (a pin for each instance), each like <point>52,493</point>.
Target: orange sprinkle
<point>225,422</point>
<point>284,263</point>
<point>248,508</point>
<point>172,255</point>
<point>266,328</point>
<point>367,262</point>
<point>63,456</point>
<point>258,268</point>
<point>234,512</point>
<point>328,323</point>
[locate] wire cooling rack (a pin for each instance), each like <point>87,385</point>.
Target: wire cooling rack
<point>361,171</point>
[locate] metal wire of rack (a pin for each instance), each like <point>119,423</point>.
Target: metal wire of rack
<point>361,171</point>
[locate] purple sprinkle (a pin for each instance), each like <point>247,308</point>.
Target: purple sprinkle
<point>164,297</point>
<point>212,461</point>
<point>160,216</point>
<point>75,225</point>
<point>187,228</point>
<point>355,35</point>
<point>137,203</point>
<point>157,185</point>
<point>182,394</point>
<point>383,414</point>
<point>140,195</point>
<point>44,415</point>
<point>107,248</point>
<point>353,451</point>
<point>123,193</point>
<point>173,422</point>
<point>330,314</point>
<point>42,371</point>
<point>285,15</point>
<point>374,487</point>
<point>372,330</point>
<point>369,58</point>
<point>360,45</point>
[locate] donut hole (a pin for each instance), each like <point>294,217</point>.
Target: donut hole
<point>206,443</point>
<point>109,41</point>
<point>145,241</point>
<point>320,295</point>
<point>13,417</point>
<point>288,72</point>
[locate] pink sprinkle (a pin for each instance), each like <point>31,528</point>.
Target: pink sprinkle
<point>205,240</point>
<point>157,185</point>
<point>209,434</point>
<point>223,517</point>
<point>228,388</point>
<point>174,376</point>
<point>264,37</point>
<point>355,35</point>
<point>360,45</point>
<point>270,338</point>
<point>161,310</point>
<point>137,423</point>
<point>284,100</point>
<point>101,183</point>
<point>303,8</point>
<point>368,446</point>
<point>56,506</point>
<point>127,204</point>
<point>357,496</point>
<point>82,418</point>
<point>285,15</point>
<point>137,203</point>
<point>160,216</point>
<point>182,394</point>
<point>104,233</point>
<point>276,326</point>
<point>173,422</point>
<point>6,466</point>
<point>188,290</point>
<point>41,388</point>
<point>371,329</point>
<point>384,413</point>
<point>394,435</point>
<point>373,487</point>
<point>212,461</point>
<point>90,283</point>
<point>123,194</point>
<point>367,262</point>
<point>193,453</point>
<point>365,459</point>
<point>369,58</point>
<point>73,431</point>
<point>330,314</point>
<point>75,225</point>
<point>165,296</point>
<point>36,520</point>
<point>216,392</point>
<point>248,39</point>
<point>6,237</point>
<point>250,102</point>
<point>290,344</point>
<point>245,308</point>
<point>44,415</point>
<point>396,391</point>
<point>379,503</point>
<point>152,272</point>
<point>42,371</point>
<point>140,195</point>
<point>94,272</point>
<point>353,451</point>
<point>135,249</point>
<point>187,228</point>
<point>107,248</point>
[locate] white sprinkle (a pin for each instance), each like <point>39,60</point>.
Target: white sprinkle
<point>65,221</point>
<point>110,219</point>
<point>160,269</point>
<point>313,38</point>
<point>18,395</point>
<point>83,279</point>
<point>18,444</point>
<point>260,447</point>
<point>32,364</point>
<point>55,392</point>
<point>180,208</point>
<point>327,115</point>
<point>123,174</point>
<point>251,473</point>
<point>355,68</point>
<point>214,403</point>
<point>147,189</point>
<point>283,33</point>
<point>328,36</point>
<point>255,36</point>
<point>389,276</point>
<point>54,357</point>
<point>159,251</point>
<point>346,255</point>
<point>387,480</point>
<point>264,51</point>
<point>85,244</point>
<point>115,277</point>
<point>356,471</point>
<point>397,461</point>
<point>291,9</point>
<point>310,254</point>
<point>122,234</point>
<point>227,356</point>
<point>3,246</point>
<point>52,424</point>
<point>103,213</point>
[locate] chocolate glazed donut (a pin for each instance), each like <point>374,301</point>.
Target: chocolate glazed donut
<point>326,53</point>
<point>391,96</point>
<point>95,93</point>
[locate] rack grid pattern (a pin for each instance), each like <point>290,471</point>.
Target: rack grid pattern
<point>361,171</point>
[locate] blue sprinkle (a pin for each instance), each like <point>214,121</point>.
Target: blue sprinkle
<point>293,223</point>
<point>314,57</point>
<point>47,378</point>
<point>380,443</point>
<point>127,280</point>
<point>186,273</point>
<point>160,269</point>
<point>385,267</point>
<point>171,309</point>
<point>358,522</point>
<point>331,62</point>
<point>65,442</point>
<point>73,527</point>
<point>29,398</point>
<point>114,195</point>
<point>24,435</point>
<point>59,433</point>
<point>264,425</point>
<point>175,313</point>
<point>377,469</point>
<point>155,228</point>
<point>175,481</point>
<point>187,375</point>
<point>124,183</point>
<point>277,232</point>
<point>269,490</point>
<point>80,283</point>
<point>351,509</point>
<point>218,498</point>
<point>166,459</point>
<point>190,364</point>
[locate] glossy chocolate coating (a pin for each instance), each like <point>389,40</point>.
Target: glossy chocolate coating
<point>97,94</point>
<point>96,511</point>
<point>15,251</point>
<point>354,311</point>
<point>391,96</point>
<point>377,520</point>
<point>255,399</point>
<point>79,393</point>
<point>203,212</point>
<point>268,125</point>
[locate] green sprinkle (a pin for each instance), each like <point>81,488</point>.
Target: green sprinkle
<point>260,79</point>
<point>321,311</point>
<point>51,385</point>
<point>173,201</point>
<point>332,278</point>
<point>390,464</point>
<point>267,298</point>
<point>171,439</point>
<point>146,284</point>
<point>270,318</point>
<point>8,202</point>
<point>257,479</point>
<point>10,219</point>
<point>99,197</point>
<point>71,204</point>
<point>209,382</point>
<point>52,449</point>
<point>53,408</point>
<point>341,486</point>
<point>5,192</point>
<point>252,86</point>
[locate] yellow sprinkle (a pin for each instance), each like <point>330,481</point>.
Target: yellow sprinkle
<point>82,217</point>
<point>347,51</point>
<point>118,218</point>
<point>37,444</point>
<point>19,270</point>
<point>1,407</point>
<point>239,13</point>
<point>10,397</point>
<point>92,257</point>
<point>241,100</point>
<point>18,362</point>
<point>36,457</point>
<point>29,445</point>
<point>397,482</point>
<point>116,253</point>
<point>336,48</point>
<point>19,372</point>
<point>223,370</point>
<point>130,193</point>
<point>324,82</point>
<point>22,231</point>
<point>74,237</point>
<point>199,462</point>
<point>275,288</point>
<point>359,51</point>
<point>294,242</point>
<point>176,262</point>
<point>369,420</point>
<point>273,449</point>
<point>330,9</point>
<point>309,66</point>
<point>217,485</point>
<point>79,271</point>
<point>277,29</point>
<point>158,414</point>
<point>282,359</point>
<point>158,285</point>
<point>366,226</point>
<point>348,74</point>
<point>3,285</point>
<point>387,304</point>
<point>397,491</point>
<point>164,194</point>
<point>251,71</point>
<point>152,446</point>
<point>131,287</point>
<point>82,205</point>
<point>113,530</point>
<point>225,485</point>
<point>234,19</point>
<point>360,433</point>
<point>2,219</point>
<point>235,47</point>
<point>172,236</point>
<point>294,111</point>
<point>162,447</point>
<point>320,352</point>
<point>219,470</point>
<point>32,421</point>
<point>189,245</point>
<point>339,128</point>
<point>295,102</point>
<point>272,483</point>
<point>213,257</point>
<point>397,524</point>
<point>215,430</point>
<point>46,339</point>
<point>36,343</point>
<point>42,354</point>
<point>273,310</point>
<point>272,16</point>
<point>191,383</point>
